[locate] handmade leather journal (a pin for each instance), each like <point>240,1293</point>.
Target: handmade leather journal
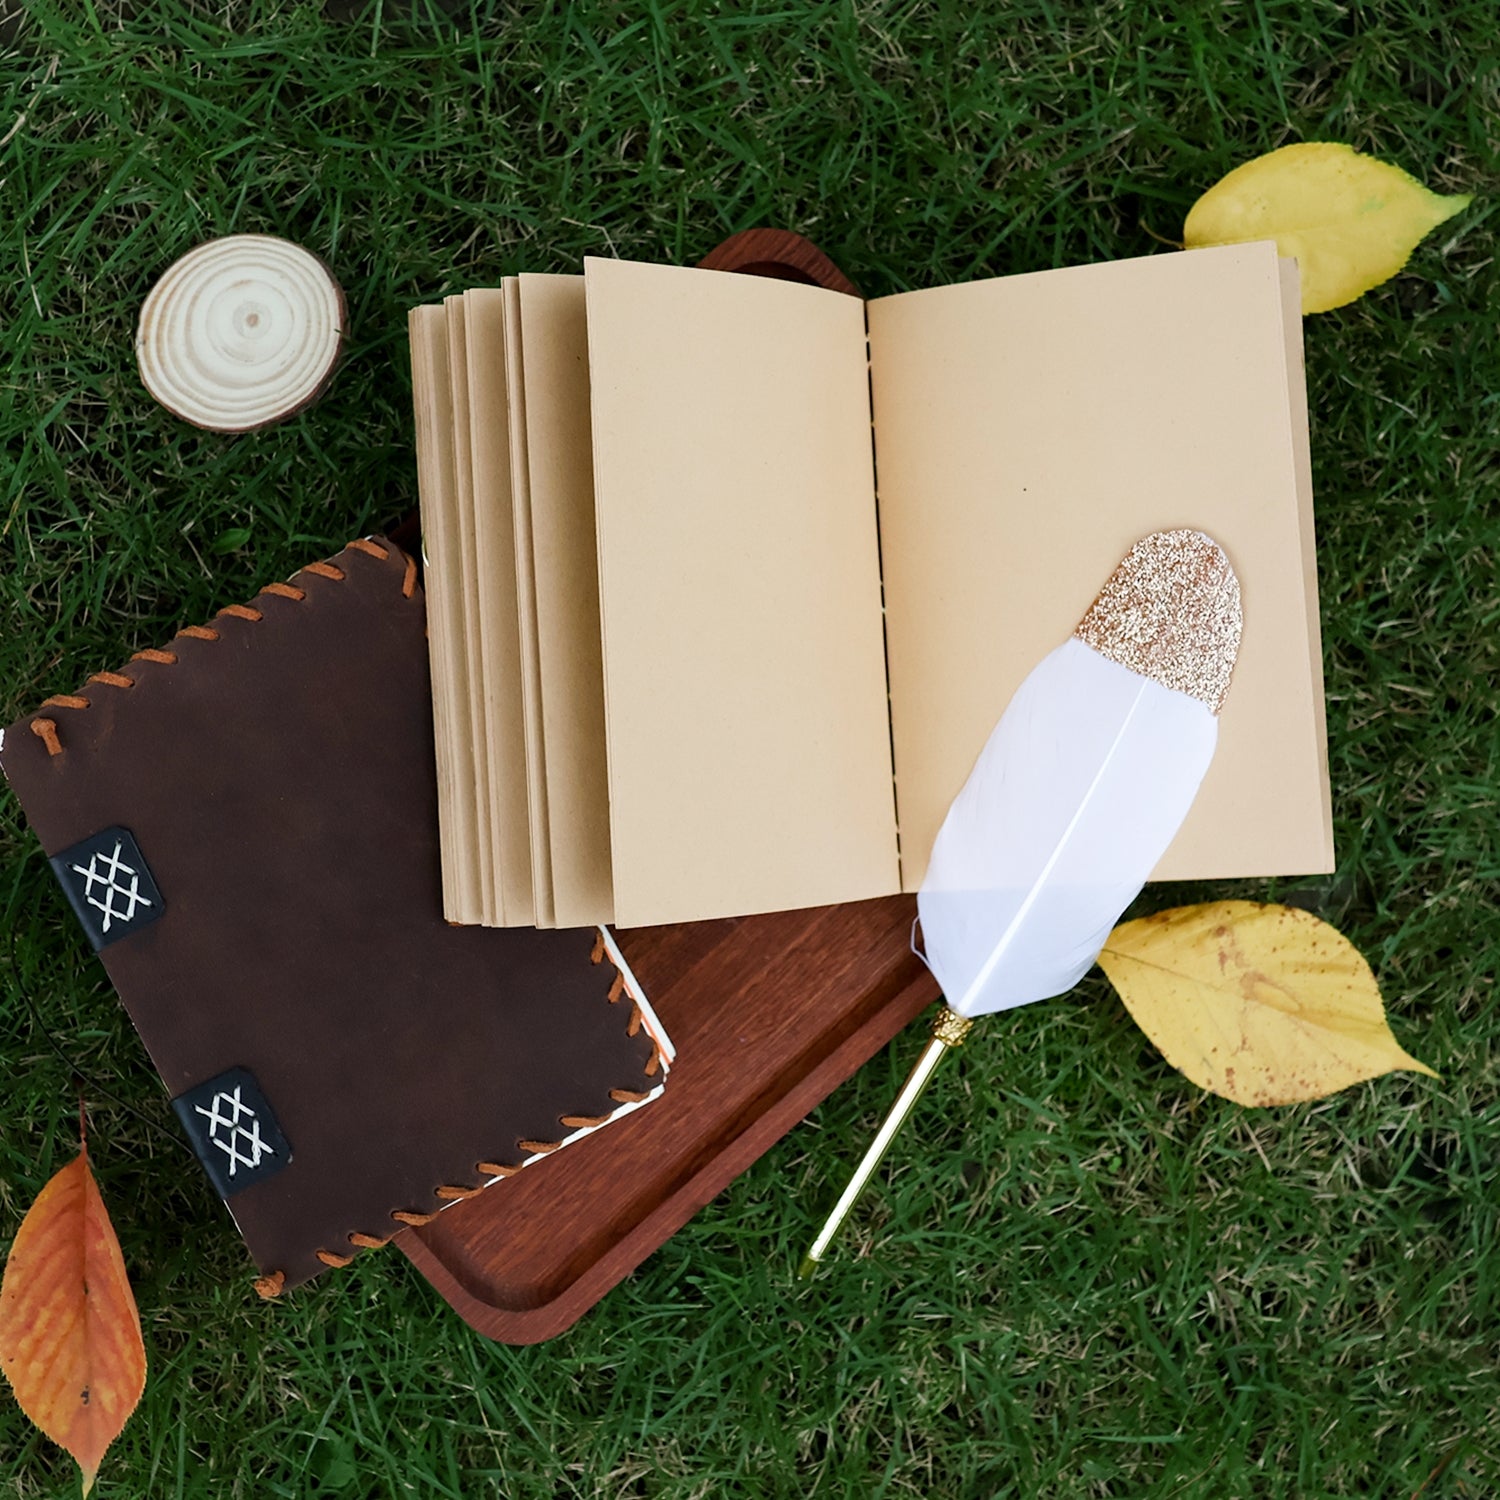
<point>245,826</point>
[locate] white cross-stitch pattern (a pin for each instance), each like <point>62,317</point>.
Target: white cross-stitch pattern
<point>238,1134</point>
<point>114,885</point>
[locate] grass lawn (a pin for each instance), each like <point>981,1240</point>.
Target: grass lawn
<point>1080,1277</point>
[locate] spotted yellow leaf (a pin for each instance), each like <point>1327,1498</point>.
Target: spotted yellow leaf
<point>1262,1004</point>
<point>1351,221</point>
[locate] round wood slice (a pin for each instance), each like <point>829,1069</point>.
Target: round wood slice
<point>241,332</point>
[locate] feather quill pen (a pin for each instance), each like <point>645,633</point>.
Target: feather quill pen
<point>1076,795</point>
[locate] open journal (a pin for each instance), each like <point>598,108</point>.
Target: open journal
<point>731,577</point>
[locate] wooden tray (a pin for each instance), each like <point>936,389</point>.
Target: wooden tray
<point>769,1015</point>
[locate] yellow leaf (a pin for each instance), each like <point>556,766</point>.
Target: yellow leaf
<point>70,1336</point>
<point>1262,1004</point>
<point>1350,220</point>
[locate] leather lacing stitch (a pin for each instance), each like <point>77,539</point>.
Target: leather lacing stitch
<point>617,989</point>
<point>45,728</point>
<point>272,1285</point>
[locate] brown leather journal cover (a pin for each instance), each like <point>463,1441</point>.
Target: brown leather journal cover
<point>245,824</point>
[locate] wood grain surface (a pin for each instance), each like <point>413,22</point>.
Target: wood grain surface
<point>769,1014</point>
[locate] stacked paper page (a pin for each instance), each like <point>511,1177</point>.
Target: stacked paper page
<point>731,577</point>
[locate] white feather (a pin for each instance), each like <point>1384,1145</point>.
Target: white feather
<point>1079,790</point>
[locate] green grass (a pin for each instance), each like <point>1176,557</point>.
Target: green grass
<point>1082,1277</point>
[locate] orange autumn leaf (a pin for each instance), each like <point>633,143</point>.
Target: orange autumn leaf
<point>70,1336</point>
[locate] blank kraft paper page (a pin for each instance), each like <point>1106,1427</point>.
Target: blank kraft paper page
<point>463,492</point>
<point>554,358</point>
<point>531,669</point>
<point>431,385</point>
<point>1029,430</point>
<point>744,672</point>
<point>499,624</point>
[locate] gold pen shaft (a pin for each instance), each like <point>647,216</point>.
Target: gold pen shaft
<point>948,1032</point>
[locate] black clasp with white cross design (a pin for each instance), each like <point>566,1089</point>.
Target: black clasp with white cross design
<point>108,885</point>
<point>230,1124</point>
